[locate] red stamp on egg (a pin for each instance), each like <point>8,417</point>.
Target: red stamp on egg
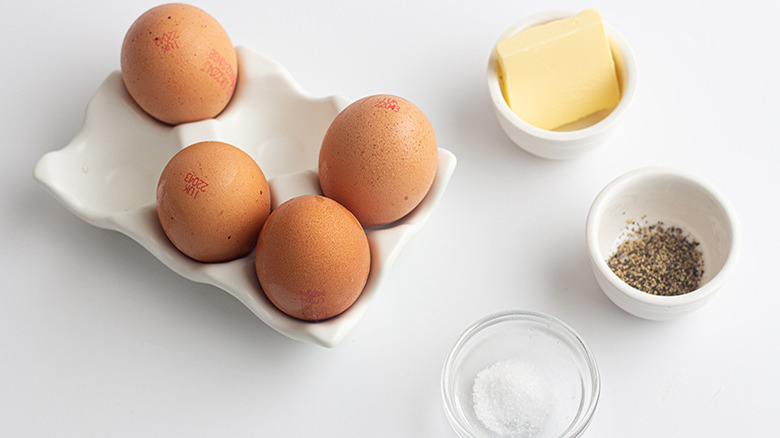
<point>167,41</point>
<point>218,68</point>
<point>388,103</point>
<point>194,185</point>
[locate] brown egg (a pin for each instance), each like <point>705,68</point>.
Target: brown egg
<point>378,158</point>
<point>312,258</point>
<point>179,64</point>
<point>212,201</point>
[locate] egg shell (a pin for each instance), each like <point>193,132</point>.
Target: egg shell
<point>312,258</point>
<point>212,201</point>
<point>179,64</point>
<point>378,158</point>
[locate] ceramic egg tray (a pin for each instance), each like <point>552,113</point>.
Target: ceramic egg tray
<point>107,175</point>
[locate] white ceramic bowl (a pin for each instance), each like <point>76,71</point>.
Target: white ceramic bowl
<point>676,198</point>
<point>107,175</point>
<point>551,354</point>
<point>579,137</point>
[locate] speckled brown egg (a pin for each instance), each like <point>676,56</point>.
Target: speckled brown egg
<point>212,201</point>
<point>312,258</point>
<point>179,64</point>
<point>378,158</point>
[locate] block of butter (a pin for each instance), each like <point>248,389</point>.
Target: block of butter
<point>558,72</point>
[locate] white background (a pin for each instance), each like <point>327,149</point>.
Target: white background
<point>98,338</point>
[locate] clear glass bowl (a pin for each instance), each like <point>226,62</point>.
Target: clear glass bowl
<point>563,368</point>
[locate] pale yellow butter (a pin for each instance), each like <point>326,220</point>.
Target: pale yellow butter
<point>559,72</point>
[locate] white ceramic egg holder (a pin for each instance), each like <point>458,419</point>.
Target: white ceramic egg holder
<point>107,175</point>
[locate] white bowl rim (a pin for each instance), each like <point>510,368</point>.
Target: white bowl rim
<point>599,263</point>
<point>520,315</point>
<point>629,87</point>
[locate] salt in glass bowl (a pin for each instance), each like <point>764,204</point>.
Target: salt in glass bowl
<point>676,198</point>
<point>543,342</point>
<point>577,138</point>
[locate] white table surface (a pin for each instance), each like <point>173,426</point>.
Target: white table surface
<point>98,338</point>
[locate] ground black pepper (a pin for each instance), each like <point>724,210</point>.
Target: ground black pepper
<point>659,260</point>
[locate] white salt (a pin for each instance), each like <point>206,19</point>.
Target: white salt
<point>513,398</point>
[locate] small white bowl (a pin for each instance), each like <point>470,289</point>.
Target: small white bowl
<point>580,137</point>
<point>553,359</point>
<point>676,198</point>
